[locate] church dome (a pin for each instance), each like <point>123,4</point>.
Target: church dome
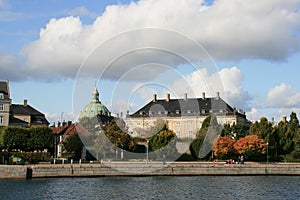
<point>94,108</point>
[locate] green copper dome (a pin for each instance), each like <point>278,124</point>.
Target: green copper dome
<point>94,108</point>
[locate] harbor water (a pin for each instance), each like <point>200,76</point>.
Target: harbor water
<point>155,187</point>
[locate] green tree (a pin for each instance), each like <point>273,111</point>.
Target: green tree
<point>285,142</point>
<point>72,147</point>
<point>235,131</point>
<point>262,129</point>
<point>296,152</point>
<point>209,132</point>
<point>95,139</point>
<point>15,138</point>
<point>40,138</point>
<point>163,141</point>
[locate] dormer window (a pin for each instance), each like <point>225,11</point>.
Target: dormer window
<point>1,96</point>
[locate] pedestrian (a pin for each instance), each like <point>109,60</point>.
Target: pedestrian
<point>242,159</point>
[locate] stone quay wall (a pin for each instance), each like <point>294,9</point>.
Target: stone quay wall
<point>146,169</point>
<point>13,172</point>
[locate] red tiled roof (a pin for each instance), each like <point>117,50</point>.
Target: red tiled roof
<point>75,129</point>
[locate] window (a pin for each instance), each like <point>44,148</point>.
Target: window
<point>1,119</point>
<point>178,134</point>
<point>1,96</point>
<point>190,134</point>
<point>1,107</point>
<point>178,123</point>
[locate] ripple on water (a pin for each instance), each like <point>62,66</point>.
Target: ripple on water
<point>167,187</point>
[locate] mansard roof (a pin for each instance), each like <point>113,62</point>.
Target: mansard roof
<point>37,117</point>
<point>186,107</point>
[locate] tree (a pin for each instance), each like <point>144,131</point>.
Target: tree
<point>163,141</point>
<point>95,139</point>
<point>39,138</point>
<point>262,129</point>
<point>296,152</point>
<point>72,147</point>
<point>285,142</point>
<point>15,138</point>
<point>252,147</point>
<point>223,148</point>
<point>202,145</point>
<point>115,132</point>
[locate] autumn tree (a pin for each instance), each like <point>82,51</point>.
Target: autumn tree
<point>223,148</point>
<point>252,147</point>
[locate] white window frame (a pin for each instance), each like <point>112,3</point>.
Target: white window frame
<point>1,119</point>
<point>1,107</point>
<point>1,95</point>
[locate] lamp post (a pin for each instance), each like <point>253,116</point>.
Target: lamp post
<point>147,153</point>
<point>267,152</point>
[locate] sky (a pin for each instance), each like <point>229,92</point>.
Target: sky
<point>55,52</point>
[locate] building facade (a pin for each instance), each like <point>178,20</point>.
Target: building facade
<point>183,116</point>
<point>5,103</point>
<point>18,114</point>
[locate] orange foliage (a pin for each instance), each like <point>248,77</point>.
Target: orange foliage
<point>223,146</point>
<point>250,143</point>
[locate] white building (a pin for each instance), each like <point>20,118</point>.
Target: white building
<point>184,116</point>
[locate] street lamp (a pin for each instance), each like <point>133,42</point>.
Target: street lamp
<point>147,153</point>
<point>267,152</point>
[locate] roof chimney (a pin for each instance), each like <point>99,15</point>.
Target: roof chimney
<point>218,96</point>
<point>168,98</point>
<point>203,95</point>
<point>25,102</point>
<point>154,97</point>
<point>185,96</point>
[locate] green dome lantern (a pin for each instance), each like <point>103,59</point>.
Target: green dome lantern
<point>94,108</point>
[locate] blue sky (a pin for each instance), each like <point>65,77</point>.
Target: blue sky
<point>47,47</point>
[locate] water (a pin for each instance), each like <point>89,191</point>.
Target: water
<point>196,187</point>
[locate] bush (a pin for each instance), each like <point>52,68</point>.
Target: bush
<point>33,157</point>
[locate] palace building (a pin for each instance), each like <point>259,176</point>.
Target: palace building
<point>184,116</point>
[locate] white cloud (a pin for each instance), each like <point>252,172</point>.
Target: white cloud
<point>254,114</point>
<point>10,68</point>
<point>81,11</point>
<point>283,96</point>
<point>55,118</point>
<point>227,30</point>
<point>228,81</point>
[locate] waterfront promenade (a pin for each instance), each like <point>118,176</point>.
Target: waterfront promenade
<point>146,169</point>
